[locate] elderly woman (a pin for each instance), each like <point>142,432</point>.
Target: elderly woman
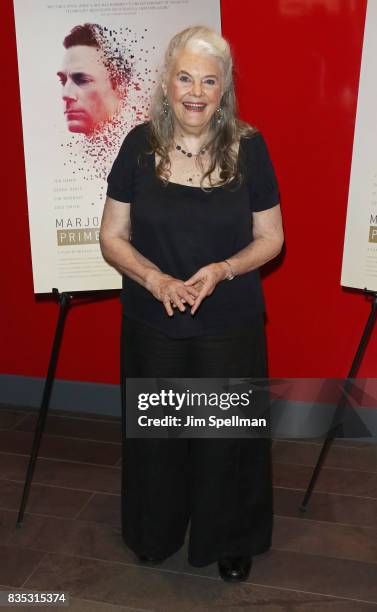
<point>192,212</point>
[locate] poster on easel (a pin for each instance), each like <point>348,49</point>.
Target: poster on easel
<point>87,71</point>
<point>359,267</point>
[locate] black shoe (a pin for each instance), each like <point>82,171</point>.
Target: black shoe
<point>235,569</point>
<point>149,560</point>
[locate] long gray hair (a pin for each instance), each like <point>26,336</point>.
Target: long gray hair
<point>225,128</point>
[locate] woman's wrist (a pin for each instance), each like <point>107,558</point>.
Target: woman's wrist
<point>151,277</point>
<point>227,270</point>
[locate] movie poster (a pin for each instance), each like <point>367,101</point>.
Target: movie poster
<point>359,268</point>
<point>87,71</point>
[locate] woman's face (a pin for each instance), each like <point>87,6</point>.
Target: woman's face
<point>194,90</point>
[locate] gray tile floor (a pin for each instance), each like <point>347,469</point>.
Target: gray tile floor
<point>70,538</point>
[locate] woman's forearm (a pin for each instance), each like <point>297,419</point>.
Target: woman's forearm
<point>268,240</point>
<point>120,253</point>
<point>255,255</point>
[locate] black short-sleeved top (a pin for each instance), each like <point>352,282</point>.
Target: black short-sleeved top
<point>181,228</point>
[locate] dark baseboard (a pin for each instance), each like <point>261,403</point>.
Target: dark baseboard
<point>67,395</point>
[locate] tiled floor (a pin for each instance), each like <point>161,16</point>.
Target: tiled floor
<point>70,539</point>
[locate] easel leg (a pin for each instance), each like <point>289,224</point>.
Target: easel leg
<point>342,402</point>
<point>64,300</point>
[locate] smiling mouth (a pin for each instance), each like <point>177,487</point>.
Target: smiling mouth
<point>195,106</point>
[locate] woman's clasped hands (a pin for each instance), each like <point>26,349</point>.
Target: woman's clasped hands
<point>175,293</point>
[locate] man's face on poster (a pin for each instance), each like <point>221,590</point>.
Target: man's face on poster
<point>90,100</point>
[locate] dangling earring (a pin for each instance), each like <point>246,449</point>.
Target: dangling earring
<point>165,106</point>
<point>219,116</point>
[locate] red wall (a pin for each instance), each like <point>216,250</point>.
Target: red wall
<point>298,66</point>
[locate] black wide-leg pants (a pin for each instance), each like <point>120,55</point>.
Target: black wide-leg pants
<point>222,486</point>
